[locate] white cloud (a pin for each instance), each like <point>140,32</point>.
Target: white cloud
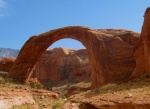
<point>2,4</point>
<point>3,8</point>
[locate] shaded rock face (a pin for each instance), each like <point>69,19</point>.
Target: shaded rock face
<point>142,49</point>
<point>66,65</point>
<point>6,64</point>
<point>120,53</point>
<point>110,52</point>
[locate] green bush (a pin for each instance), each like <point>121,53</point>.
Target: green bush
<point>63,97</point>
<point>10,80</point>
<point>57,105</point>
<point>97,91</point>
<point>2,81</point>
<point>39,86</point>
<point>32,85</point>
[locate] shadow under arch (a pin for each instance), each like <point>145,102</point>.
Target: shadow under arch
<point>36,45</point>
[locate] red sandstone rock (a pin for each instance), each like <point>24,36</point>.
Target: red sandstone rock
<point>66,65</point>
<point>6,64</point>
<point>110,52</point>
<point>120,53</point>
<point>142,49</point>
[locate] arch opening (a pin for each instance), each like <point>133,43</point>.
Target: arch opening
<point>67,60</point>
<point>67,43</point>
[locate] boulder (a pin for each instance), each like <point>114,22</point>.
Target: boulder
<point>6,63</point>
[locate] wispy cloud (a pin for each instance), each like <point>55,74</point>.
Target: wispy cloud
<point>3,8</point>
<point>3,4</point>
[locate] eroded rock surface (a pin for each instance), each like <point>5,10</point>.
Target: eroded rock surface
<point>142,49</point>
<point>110,52</point>
<point>6,64</point>
<point>15,96</point>
<point>10,98</point>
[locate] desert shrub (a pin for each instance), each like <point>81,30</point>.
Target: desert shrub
<point>10,80</point>
<point>2,80</point>
<point>63,97</point>
<point>39,86</point>
<point>76,101</point>
<point>32,85</point>
<point>57,105</point>
<point>97,91</point>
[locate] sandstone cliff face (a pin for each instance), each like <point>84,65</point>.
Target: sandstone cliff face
<point>6,64</point>
<point>142,49</point>
<point>110,53</point>
<point>60,65</point>
<point>119,49</point>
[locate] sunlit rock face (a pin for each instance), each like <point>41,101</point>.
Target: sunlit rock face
<point>110,52</point>
<point>61,65</point>
<point>142,49</point>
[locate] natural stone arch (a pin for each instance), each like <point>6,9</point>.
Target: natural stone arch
<point>36,45</point>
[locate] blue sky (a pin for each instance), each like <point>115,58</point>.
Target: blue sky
<point>20,19</point>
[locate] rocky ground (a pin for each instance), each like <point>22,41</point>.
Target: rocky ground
<point>132,95</point>
<point>22,96</point>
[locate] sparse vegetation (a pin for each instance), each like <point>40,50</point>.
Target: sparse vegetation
<point>39,103</point>
<point>140,84</point>
<point>25,106</point>
<point>63,97</point>
<point>39,86</point>
<point>122,91</point>
<point>97,91</point>
<point>2,80</point>
<point>6,80</point>
<point>57,105</point>
<point>64,88</point>
<point>10,80</point>
<point>34,83</point>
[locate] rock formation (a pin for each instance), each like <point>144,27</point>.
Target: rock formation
<point>142,49</point>
<point>6,63</point>
<point>66,65</point>
<point>110,52</point>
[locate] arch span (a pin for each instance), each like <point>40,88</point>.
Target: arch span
<point>36,45</point>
